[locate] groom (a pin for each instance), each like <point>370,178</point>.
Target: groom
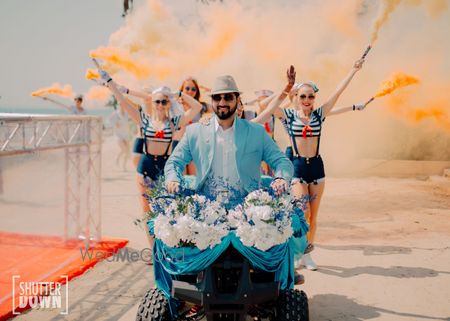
<point>227,152</point>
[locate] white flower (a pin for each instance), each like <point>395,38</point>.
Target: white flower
<point>264,212</point>
<point>171,209</point>
<point>259,197</point>
<point>191,210</point>
<point>287,204</point>
<point>259,212</point>
<point>247,234</point>
<point>165,231</point>
<point>200,199</point>
<point>234,217</point>
<point>210,235</point>
<point>211,213</point>
<point>184,228</point>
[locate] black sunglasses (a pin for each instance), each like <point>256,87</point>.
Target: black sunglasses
<point>226,97</point>
<point>187,88</point>
<point>162,102</point>
<point>310,96</point>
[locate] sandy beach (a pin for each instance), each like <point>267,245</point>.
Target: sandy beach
<point>383,249</point>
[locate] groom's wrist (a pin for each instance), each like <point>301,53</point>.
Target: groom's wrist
<point>172,178</point>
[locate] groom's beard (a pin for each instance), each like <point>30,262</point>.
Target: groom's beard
<point>225,112</point>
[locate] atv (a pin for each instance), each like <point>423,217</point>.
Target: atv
<point>230,289</point>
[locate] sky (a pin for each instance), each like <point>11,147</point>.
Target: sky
<point>48,41</point>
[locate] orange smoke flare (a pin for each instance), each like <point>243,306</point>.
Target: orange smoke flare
<point>398,80</point>
<point>98,93</point>
<point>121,58</point>
<point>92,74</point>
<point>55,89</point>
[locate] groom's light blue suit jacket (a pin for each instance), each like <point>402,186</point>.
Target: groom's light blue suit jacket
<point>253,145</point>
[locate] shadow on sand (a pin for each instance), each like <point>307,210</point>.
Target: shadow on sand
<point>368,249</point>
<point>339,307</point>
<point>393,271</point>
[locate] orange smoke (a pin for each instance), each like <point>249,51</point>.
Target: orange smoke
<point>98,93</point>
<point>122,59</point>
<point>92,74</point>
<point>436,111</point>
<point>387,7</point>
<point>55,89</point>
<point>434,7</point>
<point>158,9</point>
<point>398,80</point>
<point>221,42</point>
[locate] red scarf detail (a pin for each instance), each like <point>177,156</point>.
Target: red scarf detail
<point>266,126</point>
<point>305,131</point>
<point>159,134</point>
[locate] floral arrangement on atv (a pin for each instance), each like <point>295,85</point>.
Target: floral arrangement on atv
<point>261,219</point>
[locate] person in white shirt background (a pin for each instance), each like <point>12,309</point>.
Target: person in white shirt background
<point>119,123</point>
<point>76,109</point>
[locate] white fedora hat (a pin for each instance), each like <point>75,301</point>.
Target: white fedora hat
<point>224,85</point>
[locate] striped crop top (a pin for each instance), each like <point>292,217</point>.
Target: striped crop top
<point>165,135</point>
<point>295,127</point>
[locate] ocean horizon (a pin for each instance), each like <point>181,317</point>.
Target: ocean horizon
<point>101,111</point>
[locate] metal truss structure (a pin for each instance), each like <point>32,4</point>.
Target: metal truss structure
<point>81,139</point>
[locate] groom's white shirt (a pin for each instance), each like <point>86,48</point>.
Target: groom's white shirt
<point>224,161</point>
<point>252,145</point>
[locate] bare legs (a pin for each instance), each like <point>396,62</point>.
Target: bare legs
<point>145,208</point>
<point>315,193</point>
<point>144,202</point>
<point>124,152</point>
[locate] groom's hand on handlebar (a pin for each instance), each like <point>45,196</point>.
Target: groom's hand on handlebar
<point>173,187</point>
<point>279,186</point>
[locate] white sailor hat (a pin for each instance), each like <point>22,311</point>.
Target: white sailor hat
<point>263,93</point>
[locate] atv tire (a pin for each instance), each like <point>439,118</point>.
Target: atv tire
<point>154,307</point>
<point>292,305</point>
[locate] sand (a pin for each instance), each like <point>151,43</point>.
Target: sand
<point>383,249</point>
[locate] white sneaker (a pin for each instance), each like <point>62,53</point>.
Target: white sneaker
<point>298,264</point>
<point>308,262</point>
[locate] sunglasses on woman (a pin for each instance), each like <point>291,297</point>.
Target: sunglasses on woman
<point>162,102</point>
<point>226,97</point>
<point>193,89</point>
<point>310,97</point>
